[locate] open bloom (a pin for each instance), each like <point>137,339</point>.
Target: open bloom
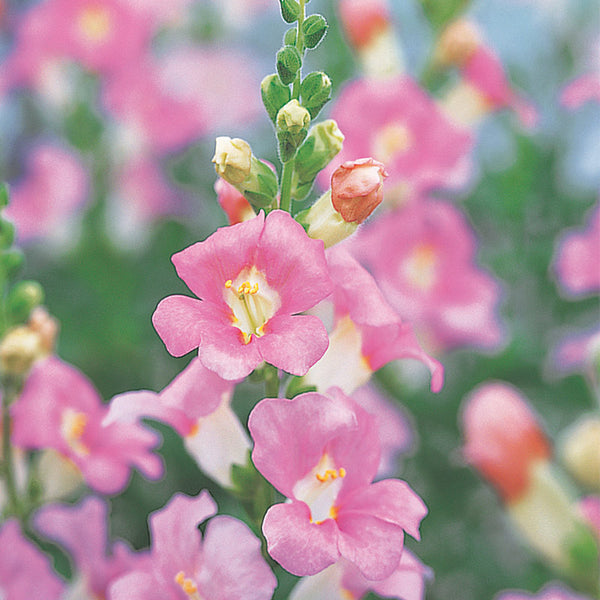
<point>224,563</point>
<point>60,409</point>
<point>25,572</point>
<point>322,453</point>
<point>197,405</point>
<point>253,278</point>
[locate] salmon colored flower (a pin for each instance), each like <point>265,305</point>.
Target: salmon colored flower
<point>236,207</point>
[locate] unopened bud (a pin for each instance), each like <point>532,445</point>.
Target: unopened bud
<point>315,92</point>
<point>290,10</point>
<point>357,188</point>
<point>289,62</point>
<point>46,326</point>
<point>458,42</point>
<point>292,128</point>
<point>314,29</point>
<point>22,299</point>
<point>274,95</point>
<point>19,349</point>
<point>580,452</point>
<point>232,159</point>
<point>289,39</point>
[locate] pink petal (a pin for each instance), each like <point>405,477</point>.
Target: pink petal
<point>293,343</point>
<point>138,585</point>
<point>299,546</point>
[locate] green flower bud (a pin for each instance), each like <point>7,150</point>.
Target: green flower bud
<point>11,262</point>
<point>289,39</point>
<point>290,10</point>
<point>274,95</point>
<point>292,128</point>
<point>4,195</point>
<point>289,62</point>
<point>7,234</point>
<point>315,92</point>
<point>314,29</point>
<point>324,141</point>
<point>22,299</point>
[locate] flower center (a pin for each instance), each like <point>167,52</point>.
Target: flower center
<point>72,428</point>
<point>391,141</point>
<point>252,302</point>
<point>188,586</point>
<point>94,23</point>
<point>320,488</point>
<point>420,268</point>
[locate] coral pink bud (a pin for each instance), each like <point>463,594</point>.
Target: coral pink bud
<point>363,20</point>
<point>236,207</point>
<point>357,188</point>
<point>503,439</point>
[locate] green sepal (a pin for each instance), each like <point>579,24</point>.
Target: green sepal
<point>290,10</point>
<point>289,142</point>
<point>297,385</point>
<point>314,29</point>
<point>274,95</point>
<point>22,299</point>
<point>257,200</point>
<point>289,62</point>
<point>7,234</point>
<point>315,92</point>
<point>289,39</point>
<point>4,195</point>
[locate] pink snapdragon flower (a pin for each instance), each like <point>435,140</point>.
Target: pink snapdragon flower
<point>429,275</point>
<point>576,259</point>
<point>97,563</point>
<point>253,279</point>
<point>60,409</point>
<point>550,592</point>
<point>366,334</point>
<point>343,581</point>
<point>46,200</point>
<point>581,90</point>
<point>397,123</point>
<point>322,453</point>
<point>225,562</point>
<point>235,206</point>
<point>197,404</point>
<point>25,572</point>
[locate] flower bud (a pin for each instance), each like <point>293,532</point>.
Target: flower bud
<point>22,299</point>
<point>232,159</point>
<point>19,349</point>
<point>292,127</point>
<point>46,326</point>
<point>289,39</point>
<point>289,62</point>
<point>580,452</point>
<point>357,188</point>
<point>314,29</point>
<point>236,207</point>
<point>315,92</point>
<point>7,233</point>
<point>290,10</point>
<point>458,42</point>
<point>274,95</point>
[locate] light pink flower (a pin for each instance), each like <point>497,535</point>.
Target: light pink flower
<point>366,334</point>
<point>343,581</point>
<point>197,405</point>
<point>550,592</point>
<point>224,563</point>
<point>235,206</point>
<point>576,260</point>
<point>581,90</point>
<point>322,453</point>
<point>397,123</point>
<point>60,409</point>
<point>46,200</point>
<point>364,20</point>
<point>253,279</point>
<point>423,258</point>
<point>25,572</point>
<point>97,562</point>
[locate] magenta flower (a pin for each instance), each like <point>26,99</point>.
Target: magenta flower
<point>367,333</point>
<point>46,201</point>
<point>97,563</point>
<point>322,453</point>
<point>253,278</point>
<point>429,275</point>
<point>224,563</point>
<point>197,405</point>
<point>60,409</point>
<point>581,90</point>
<point>397,123</point>
<point>576,259</point>
<point>25,573</point>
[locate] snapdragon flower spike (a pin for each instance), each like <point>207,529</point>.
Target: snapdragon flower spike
<point>96,562</point>
<point>60,409</point>
<point>25,572</point>
<point>253,279</point>
<point>322,453</point>
<point>343,581</point>
<point>224,563</point>
<point>576,259</point>
<point>197,404</point>
<point>367,332</point>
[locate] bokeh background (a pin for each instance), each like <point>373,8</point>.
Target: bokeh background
<point>108,156</point>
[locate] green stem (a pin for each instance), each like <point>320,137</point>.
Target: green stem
<point>9,394</point>
<point>285,201</point>
<point>272,383</point>
<point>300,48</point>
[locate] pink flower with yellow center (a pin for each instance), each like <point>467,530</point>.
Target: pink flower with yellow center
<point>60,409</point>
<point>322,453</point>
<point>253,278</point>
<point>429,275</point>
<point>397,123</point>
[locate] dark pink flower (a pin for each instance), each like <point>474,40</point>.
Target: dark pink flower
<point>322,453</point>
<point>224,563</point>
<point>60,409</point>
<point>253,279</point>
